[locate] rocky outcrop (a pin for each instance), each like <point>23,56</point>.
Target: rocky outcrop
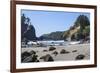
<point>29,57</point>
<point>27,30</point>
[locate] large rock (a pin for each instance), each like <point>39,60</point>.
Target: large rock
<point>45,50</point>
<point>25,55</point>
<point>74,51</point>
<point>29,57</point>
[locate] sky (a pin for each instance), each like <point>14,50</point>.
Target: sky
<point>46,22</point>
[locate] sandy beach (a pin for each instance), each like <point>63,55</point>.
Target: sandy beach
<point>72,52</point>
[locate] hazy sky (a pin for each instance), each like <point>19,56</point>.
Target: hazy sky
<point>50,21</point>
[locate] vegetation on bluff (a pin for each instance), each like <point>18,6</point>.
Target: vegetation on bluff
<point>80,30</point>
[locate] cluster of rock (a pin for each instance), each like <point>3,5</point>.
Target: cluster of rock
<point>33,57</point>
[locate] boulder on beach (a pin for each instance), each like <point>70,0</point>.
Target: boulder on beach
<point>55,53</point>
<point>63,51</point>
<point>80,57</point>
<point>47,58</point>
<point>29,57</point>
<point>51,48</point>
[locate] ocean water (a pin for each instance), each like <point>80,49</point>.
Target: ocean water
<point>53,42</point>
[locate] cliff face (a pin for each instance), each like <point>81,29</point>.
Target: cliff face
<point>27,30</point>
<point>80,30</point>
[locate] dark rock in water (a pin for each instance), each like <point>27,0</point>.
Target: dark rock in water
<point>63,51</point>
<point>32,52</point>
<point>80,57</point>
<point>74,51</point>
<point>52,48</point>
<point>47,58</point>
<point>55,53</point>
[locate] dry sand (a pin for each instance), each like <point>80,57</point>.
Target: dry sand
<point>80,49</point>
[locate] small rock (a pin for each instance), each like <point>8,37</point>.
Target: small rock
<point>74,51</point>
<point>63,51</point>
<point>52,48</point>
<point>80,57</point>
<point>38,61</point>
<point>44,50</point>
<point>55,53</point>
